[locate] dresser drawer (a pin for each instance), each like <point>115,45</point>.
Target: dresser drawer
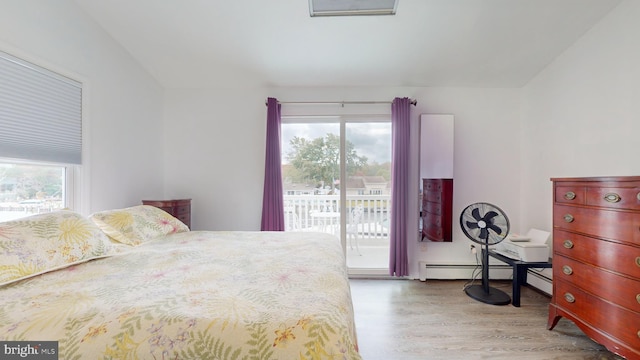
<point>185,218</point>
<point>616,257</point>
<point>168,209</point>
<point>182,209</point>
<point>611,319</point>
<point>570,194</point>
<point>434,196</point>
<point>433,219</point>
<point>433,208</point>
<point>614,197</point>
<point>433,232</point>
<point>432,184</point>
<point>623,226</point>
<point>614,288</point>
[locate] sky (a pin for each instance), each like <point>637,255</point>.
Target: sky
<point>372,140</point>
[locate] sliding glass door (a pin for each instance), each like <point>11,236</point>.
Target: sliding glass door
<point>368,195</point>
<point>336,177</point>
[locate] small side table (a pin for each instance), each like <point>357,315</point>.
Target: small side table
<point>520,269</point>
<point>180,208</point>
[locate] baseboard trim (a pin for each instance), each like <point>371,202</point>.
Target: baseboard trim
<point>535,278</point>
<point>368,273</point>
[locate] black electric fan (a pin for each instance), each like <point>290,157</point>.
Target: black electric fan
<point>485,224</point>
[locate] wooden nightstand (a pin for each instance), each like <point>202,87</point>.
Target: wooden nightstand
<point>180,208</point>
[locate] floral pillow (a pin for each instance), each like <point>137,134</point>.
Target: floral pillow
<point>45,242</point>
<point>138,224</point>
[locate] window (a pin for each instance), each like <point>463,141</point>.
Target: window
<point>40,138</point>
<point>31,188</point>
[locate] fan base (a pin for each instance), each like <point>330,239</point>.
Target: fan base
<point>493,297</point>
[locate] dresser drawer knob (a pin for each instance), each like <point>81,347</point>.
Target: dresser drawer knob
<point>568,244</point>
<point>638,298</point>
<point>570,195</point>
<point>569,297</point>
<point>568,218</point>
<point>612,197</point>
<point>638,261</point>
<point>567,270</point>
<point>638,196</point>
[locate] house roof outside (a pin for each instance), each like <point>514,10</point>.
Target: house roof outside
<point>356,183</point>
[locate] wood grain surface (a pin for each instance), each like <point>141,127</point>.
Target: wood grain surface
<point>410,319</point>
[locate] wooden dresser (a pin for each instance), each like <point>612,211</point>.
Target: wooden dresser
<point>180,208</point>
<point>596,259</point>
<point>437,209</point>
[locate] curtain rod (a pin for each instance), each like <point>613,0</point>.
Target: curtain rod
<point>414,102</point>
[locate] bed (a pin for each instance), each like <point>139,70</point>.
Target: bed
<point>136,284</point>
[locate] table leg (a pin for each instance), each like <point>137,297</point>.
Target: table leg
<point>519,279</point>
<point>515,293</point>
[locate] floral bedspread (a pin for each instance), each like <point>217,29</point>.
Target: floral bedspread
<point>194,295</point>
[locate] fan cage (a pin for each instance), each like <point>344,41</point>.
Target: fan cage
<point>474,214</point>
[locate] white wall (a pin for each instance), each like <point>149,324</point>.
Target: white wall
<point>581,115</point>
<point>123,104</point>
<point>486,161</point>
<point>216,143</point>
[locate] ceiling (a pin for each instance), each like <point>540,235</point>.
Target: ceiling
<point>431,43</point>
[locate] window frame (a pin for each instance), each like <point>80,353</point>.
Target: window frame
<point>76,176</point>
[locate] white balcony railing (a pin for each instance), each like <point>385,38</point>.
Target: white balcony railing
<point>322,213</point>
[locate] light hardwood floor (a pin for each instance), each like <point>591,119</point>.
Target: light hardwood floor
<point>410,319</point>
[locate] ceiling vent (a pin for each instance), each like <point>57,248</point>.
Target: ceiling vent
<point>352,7</point>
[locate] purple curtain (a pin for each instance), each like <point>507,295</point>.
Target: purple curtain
<point>400,131</point>
<point>272,198</point>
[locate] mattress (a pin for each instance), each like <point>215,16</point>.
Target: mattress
<point>193,295</point>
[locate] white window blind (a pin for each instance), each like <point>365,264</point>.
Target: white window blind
<point>40,113</point>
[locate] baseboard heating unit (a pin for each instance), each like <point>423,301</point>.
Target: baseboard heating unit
<point>460,271</point>
<point>541,280</point>
<point>536,278</point>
